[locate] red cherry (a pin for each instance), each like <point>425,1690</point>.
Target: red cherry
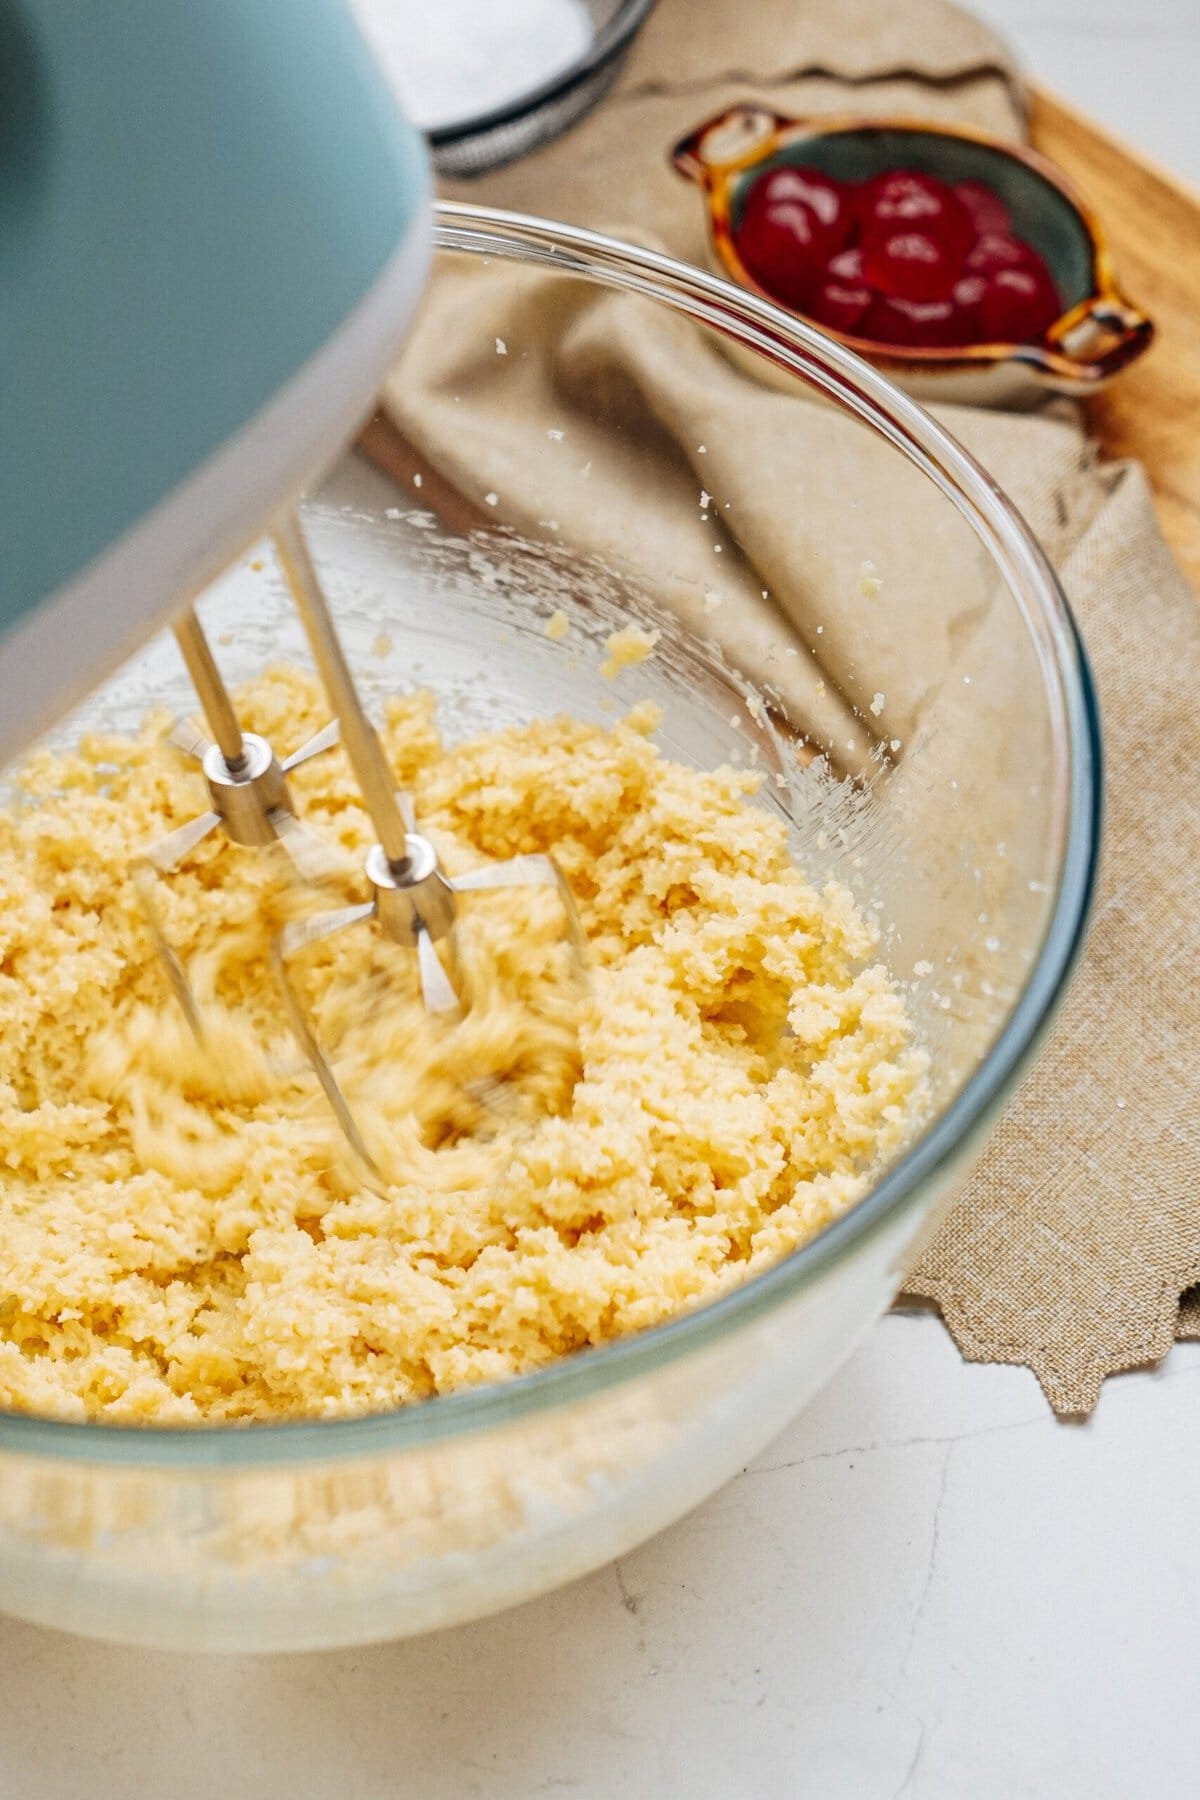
<point>912,265</point>
<point>781,183</point>
<point>966,298</point>
<point>997,250</point>
<point>847,266</point>
<point>842,298</point>
<point>779,245</point>
<point>923,323</point>
<point>841,308</point>
<point>988,211</point>
<point>1019,306</point>
<point>903,200</point>
<point>810,187</point>
<point>833,217</point>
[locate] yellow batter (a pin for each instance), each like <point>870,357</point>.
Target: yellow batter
<point>183,1233</point>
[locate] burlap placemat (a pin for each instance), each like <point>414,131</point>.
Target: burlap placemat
<point>1069,1250</point>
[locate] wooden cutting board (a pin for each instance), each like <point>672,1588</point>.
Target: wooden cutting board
<point>1153,225</point>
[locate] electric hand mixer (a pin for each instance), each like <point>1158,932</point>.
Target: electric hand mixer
<point>215,230</point>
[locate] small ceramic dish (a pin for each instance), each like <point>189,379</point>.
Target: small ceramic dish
<point>1099,332</point>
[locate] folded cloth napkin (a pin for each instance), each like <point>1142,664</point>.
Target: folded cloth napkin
<point>1070,1247</point>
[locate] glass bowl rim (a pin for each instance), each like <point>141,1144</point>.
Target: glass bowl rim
<point>869,395</point>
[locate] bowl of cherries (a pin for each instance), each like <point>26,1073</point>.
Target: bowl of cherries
<point>967,267</point>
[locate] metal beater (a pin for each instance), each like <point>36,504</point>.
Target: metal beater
<point>249,794</point>
<point>413,902</point>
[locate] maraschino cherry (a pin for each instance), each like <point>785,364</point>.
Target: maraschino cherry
<point>793,221</point>
<point>1018,306</point>
<point>842,298</point>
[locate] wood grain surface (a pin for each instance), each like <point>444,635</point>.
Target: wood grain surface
<point>1152,223</point>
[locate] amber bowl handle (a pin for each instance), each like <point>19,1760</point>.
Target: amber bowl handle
<point>1099,337</point>
<point>757,127</point>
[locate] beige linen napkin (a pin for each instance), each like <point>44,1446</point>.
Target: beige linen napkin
<point>1081,1226</point>
<point>1070,1248</point>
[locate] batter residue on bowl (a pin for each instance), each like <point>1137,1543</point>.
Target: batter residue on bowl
<point>184,1235</point>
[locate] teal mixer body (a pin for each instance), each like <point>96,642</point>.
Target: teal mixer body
<point>213,230</point>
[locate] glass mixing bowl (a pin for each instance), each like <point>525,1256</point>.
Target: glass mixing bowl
<point>913,689</point>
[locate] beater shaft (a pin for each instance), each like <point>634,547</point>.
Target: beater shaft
<point>214,695</point>
<point>412,902</point>
<point>359,737</point>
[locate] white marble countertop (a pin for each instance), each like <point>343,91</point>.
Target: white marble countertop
<point>925,1588</point>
